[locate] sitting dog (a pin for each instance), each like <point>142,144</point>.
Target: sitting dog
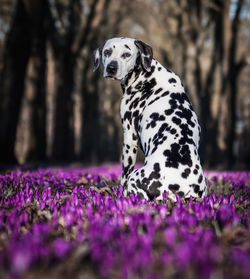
<point>156,112</point>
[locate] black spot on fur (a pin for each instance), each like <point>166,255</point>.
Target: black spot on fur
<point>154,175</point>
<point>158,91</point>
<point>136,118</point>
<point>126,46</point>
<point>142,184</point>
<point>173,131</point>
<point>178,97</point>
<point>155,117</point>
<point>165,94</point>
<point>178,155</point>
<point>186,135</point>
<point>173,104</point>
<point>138,85</point>
<point>154,100</point>
<point>200,178</point>
<point>173,187</point>
<point>134,103</point>
<point>142,104</point>
<point>149,74</point>
<point>172,80</point>
<point>187,114</point>
<point>127,116</point>
<point>157,167</point>
<point>200,193</point>
<point>168,111</point>
<point>161,136</point>
<point>181,194</point>
<point>195,171</point>
<point>153,190</point>
<point>186,173</point>
<point>196,188</point>
<point>176,120</point>
<point>159,68</point>
<point>129,91</point>
<point>147,88</point>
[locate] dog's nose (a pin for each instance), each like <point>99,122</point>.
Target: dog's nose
<point>112,68</point>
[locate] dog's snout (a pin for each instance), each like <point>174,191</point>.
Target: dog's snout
<point>112,68</point>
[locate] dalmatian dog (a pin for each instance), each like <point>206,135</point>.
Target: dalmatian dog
<point>157,115</point>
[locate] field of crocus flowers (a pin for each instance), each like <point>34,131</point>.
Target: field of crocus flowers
<point>76,223</point>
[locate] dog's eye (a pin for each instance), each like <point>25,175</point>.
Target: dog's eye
<point>107,52</point>
<point>126,54</point>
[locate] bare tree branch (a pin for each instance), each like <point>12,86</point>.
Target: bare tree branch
<point>55,38</point>
<point>81,40</point>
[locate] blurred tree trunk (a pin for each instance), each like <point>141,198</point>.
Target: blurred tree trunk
<point>234,68</point>
<point>24,71</point>
<point>63,143</point>
<point>65,60</point>
<point>66,56</point>
<point>35,80</point>
<point>90,148</point>
<point>94,134</point>
<point>213,84</point>
<point>224,70</point>
<point>17,51</point>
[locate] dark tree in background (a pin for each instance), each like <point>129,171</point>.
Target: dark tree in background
<point>17,50</point>
<point>54,109</point>
<point>24,70</point>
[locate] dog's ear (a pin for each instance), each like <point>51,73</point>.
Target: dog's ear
<point>146,53</point>
<point>97,58</point>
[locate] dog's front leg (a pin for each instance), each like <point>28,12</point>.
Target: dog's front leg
<point>129,151</point>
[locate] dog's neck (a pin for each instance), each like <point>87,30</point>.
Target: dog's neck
<point>133,75</point>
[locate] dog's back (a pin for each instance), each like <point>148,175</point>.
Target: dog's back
<point>168,130</point>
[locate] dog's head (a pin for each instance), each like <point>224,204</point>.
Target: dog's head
<point>119,57</point>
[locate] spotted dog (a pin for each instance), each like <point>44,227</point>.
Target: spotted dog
<point>157,114</point>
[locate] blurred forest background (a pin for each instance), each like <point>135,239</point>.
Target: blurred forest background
<point>54,109</point>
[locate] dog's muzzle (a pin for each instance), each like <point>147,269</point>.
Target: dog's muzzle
<point>112,69</point>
